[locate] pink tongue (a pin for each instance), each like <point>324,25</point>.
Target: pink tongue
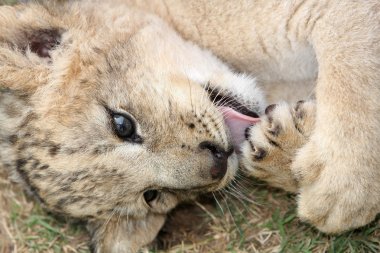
<point>237,123</point>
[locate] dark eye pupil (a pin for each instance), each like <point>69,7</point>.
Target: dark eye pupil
<point>150,195</point>
<point>123,126</point>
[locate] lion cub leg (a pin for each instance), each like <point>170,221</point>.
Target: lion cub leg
<point>338,170</point>
<point>272,144</point>
<point>274,152</point>
<point>123,234</point>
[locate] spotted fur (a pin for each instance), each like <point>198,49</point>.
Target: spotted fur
<point>64,69</point>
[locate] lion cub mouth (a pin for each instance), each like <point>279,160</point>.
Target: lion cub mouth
<point>236,115</point>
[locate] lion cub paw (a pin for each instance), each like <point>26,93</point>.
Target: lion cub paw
<point>271,145</point>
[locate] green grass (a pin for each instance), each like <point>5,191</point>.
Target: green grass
<point>48,232</point>
<point>269,224</point>
<point>8,2</point>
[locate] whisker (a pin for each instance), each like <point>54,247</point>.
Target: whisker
<point>238,194</point>
<point>105,224</point>
<point>206,211</point>
<point>191,97</point>
<point>221,208</point>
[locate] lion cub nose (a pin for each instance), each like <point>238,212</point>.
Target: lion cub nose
<point>220,156</point>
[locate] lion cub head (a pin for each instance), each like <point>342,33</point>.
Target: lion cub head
<point>105,113</point>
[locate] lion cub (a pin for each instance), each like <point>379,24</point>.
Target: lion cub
<point>106,112</point>
<point>105,116</point>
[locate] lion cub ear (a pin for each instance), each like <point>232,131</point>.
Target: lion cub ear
<point>28,37</point>
<point>25,61</point>
<point>25,64</point>
<point>42,42</point>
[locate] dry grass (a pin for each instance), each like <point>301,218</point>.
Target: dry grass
<point>231,225</point>
<point>269,224</point>
<point>24,227</point>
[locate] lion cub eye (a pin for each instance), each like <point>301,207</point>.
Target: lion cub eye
<point>124,128</point>
<point>150,195</point>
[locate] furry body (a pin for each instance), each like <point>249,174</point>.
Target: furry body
<point>336,45</point>
<point>55,132</point>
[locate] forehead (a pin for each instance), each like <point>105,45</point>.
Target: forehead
<point>130,71</point>
<point>139,71</point>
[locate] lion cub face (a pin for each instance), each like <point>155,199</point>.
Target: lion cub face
<point>125,140</point>
<point>114,120</point>
<point>128,138</point>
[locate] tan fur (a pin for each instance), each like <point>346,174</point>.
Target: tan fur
<point>337,42</point>
<point>333,43</point>
<point>56,133</point>
<point>273,144</point>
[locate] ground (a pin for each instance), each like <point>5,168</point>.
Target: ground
<point>249,217</point>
